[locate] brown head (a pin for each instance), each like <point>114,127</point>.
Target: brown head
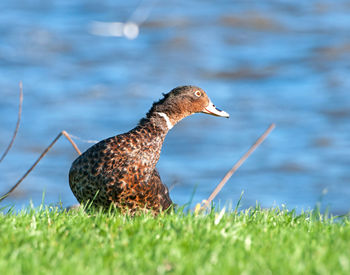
<point>182,102</point>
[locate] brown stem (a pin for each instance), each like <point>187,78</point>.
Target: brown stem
<point>18,122</point>
<point>64,133</point>
<point>71,141</point>
<point>236,166</point>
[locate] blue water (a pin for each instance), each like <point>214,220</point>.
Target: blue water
<point>286,62</point>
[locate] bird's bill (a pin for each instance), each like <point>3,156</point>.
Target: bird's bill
<point>212,110</point>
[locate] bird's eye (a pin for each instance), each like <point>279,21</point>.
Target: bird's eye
<point>197,93</point>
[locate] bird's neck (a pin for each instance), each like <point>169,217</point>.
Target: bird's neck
<point>147,139</point>
<point>158,122</point>
<point>166,114</point>
<point>153,129</point>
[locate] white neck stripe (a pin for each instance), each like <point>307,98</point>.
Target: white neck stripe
<point>167,120</point>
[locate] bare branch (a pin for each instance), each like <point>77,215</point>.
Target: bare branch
<point>18,122</point>
<point>64,133</point>
<point>71,141</point>
<point>236,166</point>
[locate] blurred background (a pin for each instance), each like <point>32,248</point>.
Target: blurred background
<point>93,68</point>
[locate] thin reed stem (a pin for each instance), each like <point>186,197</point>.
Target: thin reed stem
<point>64,133</point>
<point>236,166</point>
<point>18,122</point>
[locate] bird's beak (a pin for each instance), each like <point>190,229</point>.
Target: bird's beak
<point>212,110</point>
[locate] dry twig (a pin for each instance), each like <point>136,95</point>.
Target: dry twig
<point>17,124</point>
<point>63,133</point>
<point>236,166</point>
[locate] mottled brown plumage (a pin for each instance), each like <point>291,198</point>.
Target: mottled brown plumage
<point>121,171</point>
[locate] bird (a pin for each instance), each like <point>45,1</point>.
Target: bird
<point>120,171</point>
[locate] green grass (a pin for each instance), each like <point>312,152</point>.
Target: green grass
<point>255,241</point>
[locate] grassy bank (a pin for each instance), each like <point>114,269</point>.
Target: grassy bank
<point>50,241</point>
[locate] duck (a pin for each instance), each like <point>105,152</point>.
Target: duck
<point>121,172</point>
